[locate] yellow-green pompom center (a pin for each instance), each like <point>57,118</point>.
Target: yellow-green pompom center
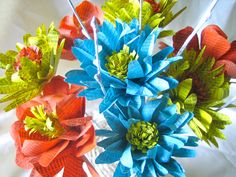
<point>117,63</point>
<point>142,136</point>
<point>43,123</point>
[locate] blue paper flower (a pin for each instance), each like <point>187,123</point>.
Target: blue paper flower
<point>129,70</point>
<point>145,140</point>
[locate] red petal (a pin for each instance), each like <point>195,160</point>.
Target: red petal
<point>67,54</point>
<point>230,67</point>
<point>87,143</point>
<point>71,107</point>
<point>76,121</point>
<point>74,167</point>
<point>56,86</point>
<point>180,37</point>
<point>86,11</point>
<point>36,147</point>
<point>231,54</point>
<point>215,41</point>
<point>47,157</point>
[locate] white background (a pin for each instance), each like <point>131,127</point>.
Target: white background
<point>18,17</point>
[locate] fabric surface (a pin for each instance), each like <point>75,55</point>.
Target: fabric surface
<point>18,17</point>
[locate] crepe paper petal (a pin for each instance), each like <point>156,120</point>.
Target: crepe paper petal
<point>183,152</point>
<point>30,67</point>
<point>175,169</point>
<point>180,37</point>
<point>119,172</point>
<point>138,75</point>
<point>163,54</point>
<point>229,67</point>
<point>70,29</point>
<point>105,133</point>
<point>126,158</point>
<point>77,121</point>
<point>46,154</point>
<point>166,133</point>
<point>231,54</point>
<point>215,41</point>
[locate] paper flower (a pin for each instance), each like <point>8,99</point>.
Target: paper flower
<point>201,87</point>
<point>155,14</point>
<point>70,28</point>
<point>53,133</point>
<point>30,67</point>
<point>129,70</point>
<point>217,46</point>
<point>146,141</point>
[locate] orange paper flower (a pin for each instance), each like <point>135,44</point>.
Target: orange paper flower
<point>72,133</point>
<point>70,29</point>
<point>216,43</point>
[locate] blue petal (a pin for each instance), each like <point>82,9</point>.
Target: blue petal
<point>76,76</point>
<point>119,172</point>
<point>161,170</point>
<point>106,142</point>
<point>169,142</point>
<point>152,170</point>
<point>174,168</point>
<point>160,154</point>
<point>106,133</point>
<point>192,141</point>
<point>110,98</point>
<point>135,70</point>
<point>162,54</point>
<point>107,157</point>
<point>83,56</point>
<point>151,108</point>
<point>183,152</point>
<point>132,87</point>
<point>92,94</point>
<point>126,158</point>
<point>133,112</point>
<point>114,122</point>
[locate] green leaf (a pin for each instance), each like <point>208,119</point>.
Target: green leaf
<point>195,129</point>
<point>166,33</point>
<point>190,102</point>
<point>199,125</point>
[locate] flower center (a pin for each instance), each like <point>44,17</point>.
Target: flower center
<point>117,63</point>
<point>33,53</point>
<point>198,87</point>
<point>142,136</point>
<point>43,123</point>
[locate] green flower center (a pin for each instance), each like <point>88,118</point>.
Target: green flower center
<point>142,136</point>
<point>117,63</point>
<point>43,123</point>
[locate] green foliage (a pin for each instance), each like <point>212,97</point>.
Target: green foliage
<point>202,87</point>
<point>127,10</point>
<point>21,85</point>
<point>46,125</point>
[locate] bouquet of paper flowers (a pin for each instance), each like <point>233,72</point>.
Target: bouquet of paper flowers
<point>158,100</point>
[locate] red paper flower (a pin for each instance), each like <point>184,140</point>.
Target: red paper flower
<point>216,43</point>
<point>70,29</point>
<point>52,132</point>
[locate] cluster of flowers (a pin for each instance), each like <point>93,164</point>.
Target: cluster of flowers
<point>148,100</point>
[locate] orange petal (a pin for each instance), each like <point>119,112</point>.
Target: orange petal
<point>67,54</point>
<point>86,11</point>
<point>180,37</point>
<point>76,121</point>
<point>71,107</point>
<point>74,167</point>
<point>87,143</point>
<point>56,86</point>
<point>36,147</point>
<point>231,54</point>
<point>229,67</point>
<point>215,41</point>
<point>48,156</point>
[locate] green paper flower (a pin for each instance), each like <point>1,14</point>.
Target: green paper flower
<point>30,67</point>
<point>155,14</point>
<point>201,88</point>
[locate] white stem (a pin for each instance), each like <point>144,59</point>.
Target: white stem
<point>84,30</point>
<point>97,76</point>
<point>140,13</point>
<point>202,21</point>
<point>227,103</point>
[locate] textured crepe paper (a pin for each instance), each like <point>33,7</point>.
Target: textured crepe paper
<point>143,75</point>
<point>216,43</point>
<point>158,161</point>
<point>70,28</point>
<point>48,156</point>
